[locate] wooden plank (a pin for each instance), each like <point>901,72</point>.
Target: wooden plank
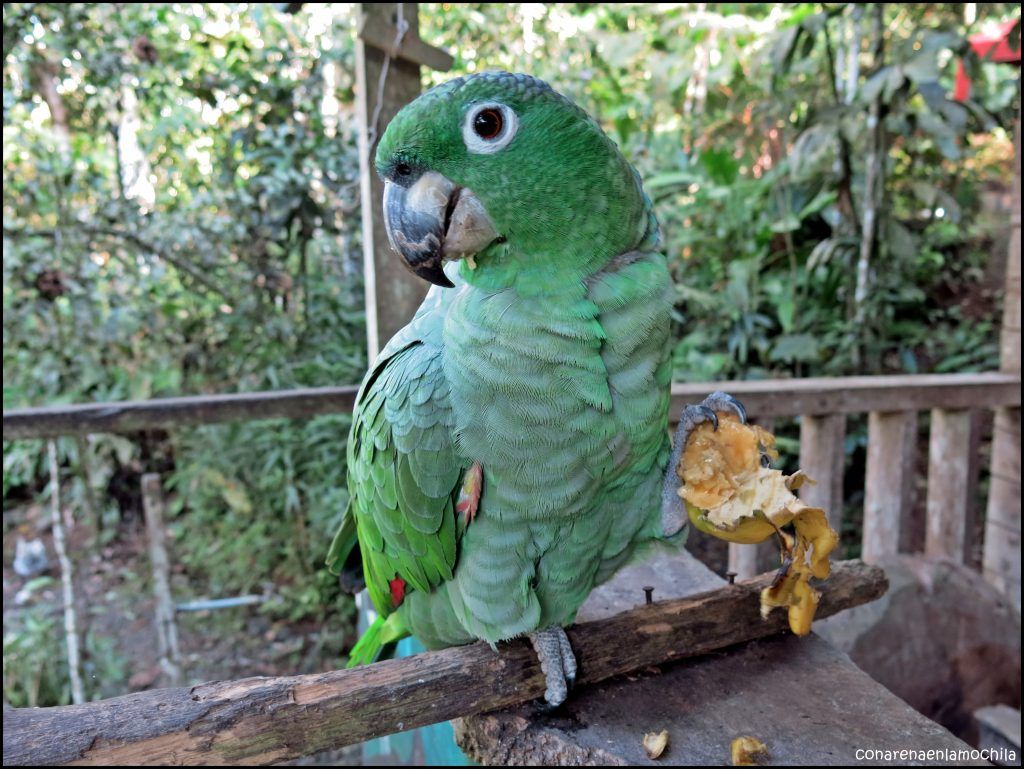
<point>1009,338</point>
<point>823,458</point>
<point>981,426</point>
<point>805,699</point>
<point>269,720</point>
<point>1001,559</point>
<point>167,413</point>
<point>392,292</point>
<point>763,398</point>
<point>860,394</point>
<point>888,483</point>
<point>379,31</point>
<point>160,564</point>
<point>949,483</point>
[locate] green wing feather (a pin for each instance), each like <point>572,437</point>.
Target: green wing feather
<point>403,475</point>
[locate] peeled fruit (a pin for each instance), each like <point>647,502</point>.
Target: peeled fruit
<point>732,493</point>
<point>717,463</point>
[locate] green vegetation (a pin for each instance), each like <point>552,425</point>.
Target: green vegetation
<point>181,216</point>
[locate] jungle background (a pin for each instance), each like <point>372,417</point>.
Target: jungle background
<point>181,216</point>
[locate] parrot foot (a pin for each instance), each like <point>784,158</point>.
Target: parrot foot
<point>673,513</point>
<point>557,662</point>
<point>706,410</point>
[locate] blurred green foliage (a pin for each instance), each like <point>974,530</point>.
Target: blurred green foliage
<point>181,216</point>
<point>737,116</point>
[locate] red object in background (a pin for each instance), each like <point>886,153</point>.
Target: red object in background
<point>990,48</point>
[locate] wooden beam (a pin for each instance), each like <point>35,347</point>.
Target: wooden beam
<point>888,483</point>
<point>949,482</point>
<point>861,394</point>
<point>168,413</point>
<point>378,30</point>
<point>392,292</point>
<point>269,720</point>
<point>763,398</point>
<point>823,458</point>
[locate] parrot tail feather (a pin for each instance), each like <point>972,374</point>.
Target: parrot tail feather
<point>382,633</point>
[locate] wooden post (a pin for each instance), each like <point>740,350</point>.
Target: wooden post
<point>387,78</point>
<point>747,561</point>
<point>949,483</point>
<point>1001,560</point>
<point>166,625</point>
<point>888,485</point>
<point>389,54</point>
<point>823,458</point>
<point>67,579</point>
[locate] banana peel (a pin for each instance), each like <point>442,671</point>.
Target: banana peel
<point>748,751</point>
<point>731,492</point>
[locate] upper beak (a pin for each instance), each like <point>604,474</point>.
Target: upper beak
<point>434,220</point>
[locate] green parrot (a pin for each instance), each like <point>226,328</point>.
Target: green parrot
<point>510,446</point>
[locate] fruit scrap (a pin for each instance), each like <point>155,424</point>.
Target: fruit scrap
<point>716,463</point>
<point>732,493</point>
<point>749,751</point>
<point>655,744</point>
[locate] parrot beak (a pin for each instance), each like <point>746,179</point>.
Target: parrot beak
<point>432,221</point>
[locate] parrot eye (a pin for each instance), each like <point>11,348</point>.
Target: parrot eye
<point>489,128</point>
<point>488,124</point>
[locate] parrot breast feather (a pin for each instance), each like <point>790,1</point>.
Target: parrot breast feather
<point>403,475</point>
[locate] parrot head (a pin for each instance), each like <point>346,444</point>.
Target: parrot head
<point>501,171</point>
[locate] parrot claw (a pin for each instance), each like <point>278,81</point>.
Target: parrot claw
<point>706,411</point>
<point>720,401</point>
<point>557,662</point>
<point>699,414</point>
<point>673,513</point>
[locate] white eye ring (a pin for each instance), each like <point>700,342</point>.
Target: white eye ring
<point>488,146</point>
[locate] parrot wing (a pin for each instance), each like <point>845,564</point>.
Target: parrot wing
<point>404,476</point>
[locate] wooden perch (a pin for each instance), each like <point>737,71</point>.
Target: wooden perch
<point>269,720</point>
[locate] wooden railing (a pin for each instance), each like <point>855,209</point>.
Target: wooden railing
<point>892,403</point>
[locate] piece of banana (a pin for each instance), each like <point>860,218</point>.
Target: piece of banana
<point>732,493</point>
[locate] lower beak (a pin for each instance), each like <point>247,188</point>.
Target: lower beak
<point>432,221</point>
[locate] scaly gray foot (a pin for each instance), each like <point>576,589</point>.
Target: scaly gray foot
<point>673,512</point>
<point>557,662</point>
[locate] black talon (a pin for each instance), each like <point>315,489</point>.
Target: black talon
<point>740,411</point>
<point>710,416</point>
<point>722,401</point>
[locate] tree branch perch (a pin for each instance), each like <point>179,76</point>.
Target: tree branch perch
<point>268,720</point>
